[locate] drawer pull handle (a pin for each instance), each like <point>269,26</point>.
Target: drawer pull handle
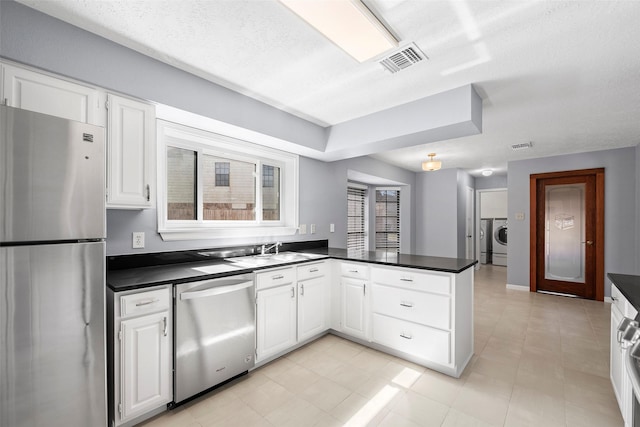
<point>147,302</point>
<point>406,280</point>
<point>278,277</point>
<point>406,336</point>
<point>406,304</point>
<point>353,271</point>
<point>313,270</point>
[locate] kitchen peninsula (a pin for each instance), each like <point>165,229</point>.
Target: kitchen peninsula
<point>415,307</point>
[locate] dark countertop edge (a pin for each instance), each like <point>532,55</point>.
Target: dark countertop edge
<point>629,286</point>
<point>428,264</point>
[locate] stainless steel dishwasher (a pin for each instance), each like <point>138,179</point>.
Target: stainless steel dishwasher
<point>214,333</point>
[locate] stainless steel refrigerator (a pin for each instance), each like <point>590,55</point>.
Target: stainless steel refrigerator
<point>52,271</point>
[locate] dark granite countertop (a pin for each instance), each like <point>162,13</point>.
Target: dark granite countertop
<point>144,276</point>
<point>629,285</point>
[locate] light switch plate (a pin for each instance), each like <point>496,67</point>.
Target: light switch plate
<point>332,228</point>
<point>313,229</point>
<point>520,216</point>
<point>303,229</point>
<point>138,240</point>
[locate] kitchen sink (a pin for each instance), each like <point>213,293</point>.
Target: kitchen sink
<point>272,259</point>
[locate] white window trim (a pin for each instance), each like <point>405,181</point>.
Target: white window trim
<point>181,136</point>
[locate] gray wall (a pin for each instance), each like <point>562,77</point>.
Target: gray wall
<point>637,271</point>
<point>436,213</point>
<point>621,220</point>
<point>491,182</point>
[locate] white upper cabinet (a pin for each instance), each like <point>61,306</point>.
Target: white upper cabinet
<point>130,128</point>
<point>41,93</point>
<point>131,153</point>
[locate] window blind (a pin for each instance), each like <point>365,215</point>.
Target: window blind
<point>356,236</point>
<point>388,221</point>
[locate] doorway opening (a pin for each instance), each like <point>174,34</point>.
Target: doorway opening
<point>567,233</point>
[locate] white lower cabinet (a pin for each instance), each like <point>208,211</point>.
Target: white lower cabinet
<point>355,310</point>
<point>313,300</point>
<point>141,358</point>
<point>292,305</point>
<point>424,314</point>
<point>620,381</point>
<point>354,299</point>
<point>412,338</point>
<point>276,320</point>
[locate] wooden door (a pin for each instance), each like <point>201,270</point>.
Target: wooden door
<point>567,233</point>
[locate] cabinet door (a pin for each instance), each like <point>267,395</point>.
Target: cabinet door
<point>130,162</point>
<point>617,364</point>
<point>145,364</point>
<point>312,307</point>
<point>276,320</point>
<point>354,308</point>
<point>48,95</point>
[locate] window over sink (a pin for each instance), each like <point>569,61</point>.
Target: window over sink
<point>212,185</point>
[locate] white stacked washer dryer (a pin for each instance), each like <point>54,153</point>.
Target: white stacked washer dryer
<point>499,241</point>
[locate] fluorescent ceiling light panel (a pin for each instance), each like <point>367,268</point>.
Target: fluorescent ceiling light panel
<point>347,23</point>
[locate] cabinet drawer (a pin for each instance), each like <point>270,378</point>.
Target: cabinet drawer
<point>413,279</point>
<point>419,307</point>
<point>271,278</point>
<point>144,302</point>
<point>311,270</point>
<point>418,340</point>
<point>620,302</point>
<point>357,271</point>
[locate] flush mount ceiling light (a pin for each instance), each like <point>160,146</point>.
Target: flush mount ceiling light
<point>487,172</point>
<point>431,165</point>
<point>347,23</point>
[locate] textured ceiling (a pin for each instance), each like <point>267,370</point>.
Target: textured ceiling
<point>562,74</point>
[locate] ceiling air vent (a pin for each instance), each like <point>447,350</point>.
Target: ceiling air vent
<point>403,58</point>
<point>523,146</point>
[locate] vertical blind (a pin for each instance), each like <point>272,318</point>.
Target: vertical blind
<point>388,221</point>
<point>356,219</point>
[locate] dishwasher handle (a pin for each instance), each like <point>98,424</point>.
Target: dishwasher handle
<point>214,290</point>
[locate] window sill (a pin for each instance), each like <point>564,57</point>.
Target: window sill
<point>225,233</point>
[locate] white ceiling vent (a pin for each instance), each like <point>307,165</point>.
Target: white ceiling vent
<point>523,146</point>
<point>403,58</point>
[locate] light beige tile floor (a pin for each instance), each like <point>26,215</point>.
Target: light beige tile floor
<point>540,360</point>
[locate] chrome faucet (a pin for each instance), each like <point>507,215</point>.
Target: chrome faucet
<point>265,248</point>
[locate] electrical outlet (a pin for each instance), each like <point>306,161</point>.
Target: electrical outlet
<point>520,216</point>
<point>138,240</point>
<point>303,228</point>
<point>332,228</point>
<point>313,229</point>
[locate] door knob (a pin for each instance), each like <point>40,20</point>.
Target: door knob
<point>589,242</point>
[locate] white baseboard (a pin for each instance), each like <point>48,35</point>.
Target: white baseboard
<point>608,299</point>
<point>517,287</point>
